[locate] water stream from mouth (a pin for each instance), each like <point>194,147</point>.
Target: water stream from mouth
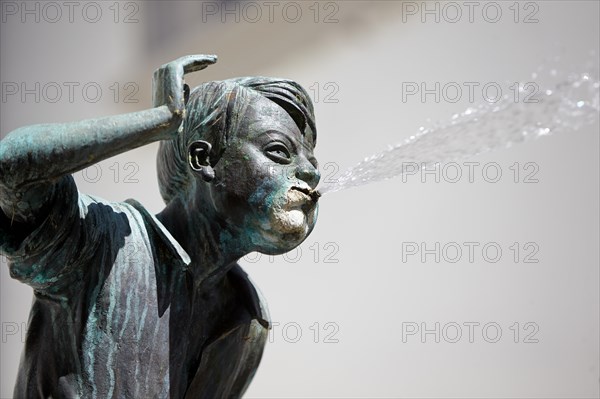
<point>569,103</point>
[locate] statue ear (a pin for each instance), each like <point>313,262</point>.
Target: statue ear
<point>199,159</point>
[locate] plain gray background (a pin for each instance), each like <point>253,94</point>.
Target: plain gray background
<point>360,53</point>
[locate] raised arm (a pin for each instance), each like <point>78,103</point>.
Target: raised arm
<point>33,158</point>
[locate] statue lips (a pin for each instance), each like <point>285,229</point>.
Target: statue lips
<point>300,196</point>
<point>314,194</point>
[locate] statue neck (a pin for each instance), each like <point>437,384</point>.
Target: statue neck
<point>212,247</point>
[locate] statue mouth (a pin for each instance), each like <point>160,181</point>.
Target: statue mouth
<point>312,194</point>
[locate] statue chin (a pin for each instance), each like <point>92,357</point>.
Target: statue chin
<point>287,229</point>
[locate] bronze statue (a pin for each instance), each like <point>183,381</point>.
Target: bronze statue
<point>132,305</point>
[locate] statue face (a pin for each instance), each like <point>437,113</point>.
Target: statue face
<point>262,178</point>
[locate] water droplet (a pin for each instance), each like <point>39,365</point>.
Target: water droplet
<point>543,131</point>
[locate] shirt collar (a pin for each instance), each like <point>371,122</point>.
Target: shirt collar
<point>170,258</point>
<point>171,261</point>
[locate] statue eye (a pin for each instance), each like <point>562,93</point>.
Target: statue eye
<point>278,152</point>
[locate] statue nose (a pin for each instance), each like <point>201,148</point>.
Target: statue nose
<point>309,174</point>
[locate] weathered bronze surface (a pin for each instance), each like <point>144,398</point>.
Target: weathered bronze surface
<point>132,305</point>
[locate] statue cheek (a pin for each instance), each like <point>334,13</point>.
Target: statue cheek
<point>264,198</point>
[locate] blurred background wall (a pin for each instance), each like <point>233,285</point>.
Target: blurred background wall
<point>355,315</point>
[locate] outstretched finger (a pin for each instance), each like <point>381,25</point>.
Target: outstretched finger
<point>192,63</point>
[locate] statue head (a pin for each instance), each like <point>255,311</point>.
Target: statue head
<point>244,157</point>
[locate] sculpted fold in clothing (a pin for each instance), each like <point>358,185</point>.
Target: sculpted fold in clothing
<point>114,308</point>
<point>132,305</point>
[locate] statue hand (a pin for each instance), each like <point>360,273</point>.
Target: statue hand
<point>169,87</point>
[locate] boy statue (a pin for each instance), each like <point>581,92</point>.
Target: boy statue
<point>132,305</point>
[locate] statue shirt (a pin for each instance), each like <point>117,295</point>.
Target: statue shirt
<point>115,314</point>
